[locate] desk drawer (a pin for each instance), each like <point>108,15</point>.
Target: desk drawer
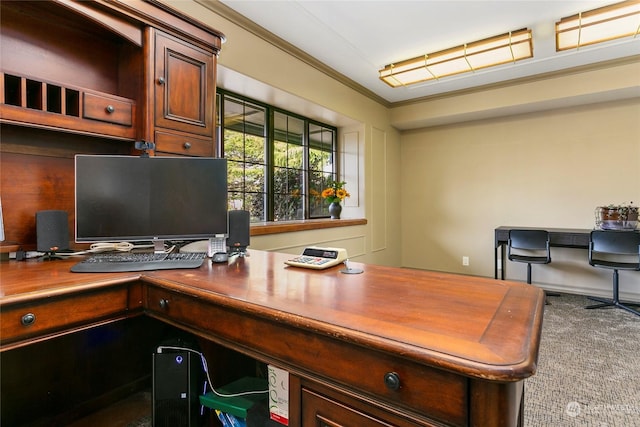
<point>183,145</point>
<point>45,316</point>
<point>433,393</point>
<point>110,110</point>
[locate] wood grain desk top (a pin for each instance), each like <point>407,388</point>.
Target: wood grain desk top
<point>477,327</point>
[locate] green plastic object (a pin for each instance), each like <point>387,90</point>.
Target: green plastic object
<point>238,405</point>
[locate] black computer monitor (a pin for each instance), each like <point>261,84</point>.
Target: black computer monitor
<point>150,199</point>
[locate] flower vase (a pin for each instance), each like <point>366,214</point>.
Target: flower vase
<point>334,210</point>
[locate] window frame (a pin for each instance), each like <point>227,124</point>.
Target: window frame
<point>270,131</point>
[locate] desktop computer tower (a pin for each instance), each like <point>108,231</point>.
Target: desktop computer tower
<point>176,389</point>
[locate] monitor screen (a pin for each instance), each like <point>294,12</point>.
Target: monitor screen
<point>128,198</point>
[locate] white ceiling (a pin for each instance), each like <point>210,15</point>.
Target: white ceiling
<point>357,38</point>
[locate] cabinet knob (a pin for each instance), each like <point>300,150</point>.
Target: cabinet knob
<point>392,380</point>
<point>187,145</point>
<point>164,304</point>
<point>110,109</point>
<point>161,80</point>
<point>28,319</point>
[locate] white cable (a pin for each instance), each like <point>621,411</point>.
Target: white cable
<point>108,247</point>
<point>206,370</point>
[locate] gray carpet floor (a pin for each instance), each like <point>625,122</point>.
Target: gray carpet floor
<point>588,367</point>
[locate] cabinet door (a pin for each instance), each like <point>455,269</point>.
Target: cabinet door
<point>184,83</point>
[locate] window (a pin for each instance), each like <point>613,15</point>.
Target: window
<point>278,161</point>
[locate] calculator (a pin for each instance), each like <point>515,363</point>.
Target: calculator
<point>318,258</point>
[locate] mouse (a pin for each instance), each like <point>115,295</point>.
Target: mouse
<point>220,257</point>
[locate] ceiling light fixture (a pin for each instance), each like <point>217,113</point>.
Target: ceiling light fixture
<point>598,25</point>
<point>509,47</point>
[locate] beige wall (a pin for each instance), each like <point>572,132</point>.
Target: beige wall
<point>369,144</point>
<point>544,169</point>
<point>543,152</point>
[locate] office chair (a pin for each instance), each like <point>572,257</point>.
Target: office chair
<point>530,247</point>
<point>614,250</point>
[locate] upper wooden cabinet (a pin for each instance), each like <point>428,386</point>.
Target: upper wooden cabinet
<point>109,68</point>
<point>183,85</point>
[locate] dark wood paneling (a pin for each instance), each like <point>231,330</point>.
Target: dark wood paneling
<point>43,32</point>
<point>56,381</point>
<point>30,184</point>
<point>37,173</point>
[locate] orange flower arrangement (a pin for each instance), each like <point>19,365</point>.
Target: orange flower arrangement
<point>336,192</point>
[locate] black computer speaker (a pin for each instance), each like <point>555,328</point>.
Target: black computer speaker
<point>175,391</point>
<point>239,234</point>
<point>52,231</point>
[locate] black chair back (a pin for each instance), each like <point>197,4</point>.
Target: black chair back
<point>529,240</point>
<point>610,242</point>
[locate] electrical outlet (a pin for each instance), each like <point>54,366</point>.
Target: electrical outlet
<point>465,261</point>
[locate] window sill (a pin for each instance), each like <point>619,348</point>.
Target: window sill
<point>264,228</point>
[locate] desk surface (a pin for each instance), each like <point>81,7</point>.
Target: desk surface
<point>469,325</point>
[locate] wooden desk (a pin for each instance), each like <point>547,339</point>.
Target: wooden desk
<point>461,346</point>
<point>558,237</point>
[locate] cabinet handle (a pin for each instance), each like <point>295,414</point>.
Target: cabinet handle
<point>187,145</point>
<point>164,303</point>
<point>28,319</point>
<point>161,80</point>
<point>392,380</point>
<point>110,109</point>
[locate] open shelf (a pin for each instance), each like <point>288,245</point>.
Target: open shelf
<point>34,102</point>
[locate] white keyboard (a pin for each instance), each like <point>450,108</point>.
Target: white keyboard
<point>318,258</point>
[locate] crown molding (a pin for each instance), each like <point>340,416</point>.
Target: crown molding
<point>240,20</point>
<point>227,13</point>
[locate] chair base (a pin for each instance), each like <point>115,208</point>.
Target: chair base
<point>613,303</point>
<point>550,294</point>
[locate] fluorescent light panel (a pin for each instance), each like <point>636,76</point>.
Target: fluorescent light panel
<point>598,25</point>
<point>502,49</point>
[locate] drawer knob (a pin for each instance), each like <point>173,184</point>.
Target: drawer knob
<point>161,80</point>
<point>164,304</point>
<point>187,145</point>
<point>28,319</point>
<point>392,381</point>
<point>110,109</point>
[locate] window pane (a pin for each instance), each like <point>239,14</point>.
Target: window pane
<point>254,178</point>
<point>287,208</point>
<point>288,181</point>
<point>255,204</point>
<point>233,145</point>
<point>294,156</point>
<point>236,200</point>
<point>254,149</point>
<point>275,173</point>
<point>244,145</point>
<point>235,175</point>
<point>320,160</point>
<point>288,128</point>
<point>280,153</point>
